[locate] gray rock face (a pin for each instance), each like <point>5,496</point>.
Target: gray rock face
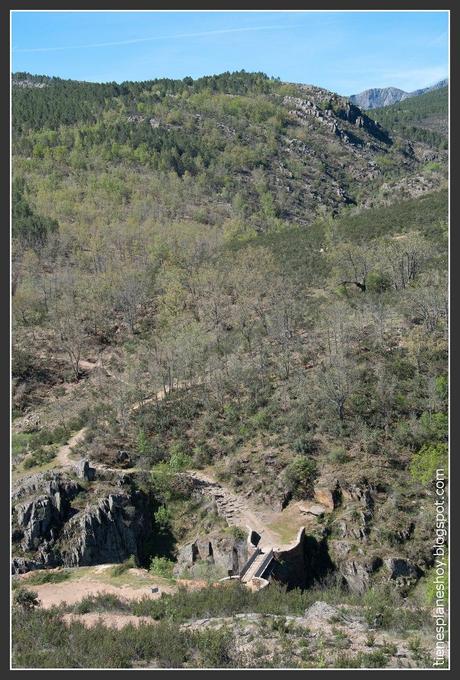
<point>49,483</point>
<point>343,110</point>
<point>49,529</point>
<point>101,533</point>
<point>41,504</point>
<point>84,471</point>
<point>356,575</point>
<point>31,423</point>
<point>20,565</point>
<point>378,96</point>
<point>224,552</point>
<point>401,567</point>
<point>385,96</point>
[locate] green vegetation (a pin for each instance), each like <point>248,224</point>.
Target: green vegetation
<point>39,448</point>
<point>269,303</point>
<point>161,566</point>
<point>429,459</point>
<point>420,119</point>
<point>25,599</point>
<point>122,568</point>
<point>38,578</point>
<point>167,644</point>
<point>29,228</point>
<point>300,477</point>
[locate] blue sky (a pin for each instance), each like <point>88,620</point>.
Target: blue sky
<point>342,51</point>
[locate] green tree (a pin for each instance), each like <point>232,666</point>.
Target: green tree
<point>429,459</point>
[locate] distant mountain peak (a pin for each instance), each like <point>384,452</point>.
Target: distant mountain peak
<point>375,98</point>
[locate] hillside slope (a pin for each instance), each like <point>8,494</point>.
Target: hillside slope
<point>229,308</point>
<point>423,118</point>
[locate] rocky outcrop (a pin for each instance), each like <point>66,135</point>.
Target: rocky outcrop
<point>85,471</point>
<point>21,565</point>
<point>386,96</point>
<point>356,571</point>
<point>402,570</point>
<point>226,553</point>
<point>41,505</point>
<point>50,483</point>
<point>52,527</point>
<point>331,113</point>
<point>29,423</point>
<point>106,532</point>
<point>376,97</point>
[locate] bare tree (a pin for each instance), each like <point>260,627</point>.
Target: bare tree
<point>130,295</point>
<point>69,328</point>
<point>353,264</point>
<point>405,258</point>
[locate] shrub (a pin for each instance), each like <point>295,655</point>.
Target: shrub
<point>442,387</point>
<point>378,282</point>
<point>389,648</point>
<point>26,599</point>
<point>103,602</point>
<point>162,479</point>
<point>427,460</point>
<point>215,647</point>
<point>435,426</point>
<point>300,475</point>
<point>370,640</point>
<point>120,569</point>
<point>305,444</point>
<point>237,532</point>
<point>262,419</point>
<point>179,461</point>
<point>202,456</point>
<point>39,457</point>
<point>39,577</point>
<point>161,566</point>
<point>338,455</point>
<point>380,607</point>
<point>377,659</point>
<point>162,518</point>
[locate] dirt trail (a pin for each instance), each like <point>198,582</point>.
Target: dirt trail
<point>235,508</point>
<point>63,458</point>
<point>53,594</point>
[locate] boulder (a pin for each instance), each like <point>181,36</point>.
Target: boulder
<point>85,471</point>
<point>320,613</point>
<point>124,459</point>
<point>223,551</point>
<point>328,494</point>
<point>400,567</point>
<point>31,423</point>
<point>315,509</point>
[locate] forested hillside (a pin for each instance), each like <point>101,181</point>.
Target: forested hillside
<point>423,118</point>
<point>244,279</point>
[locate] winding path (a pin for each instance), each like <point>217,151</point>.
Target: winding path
<point>63,459</point>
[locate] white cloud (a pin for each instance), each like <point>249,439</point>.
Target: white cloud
<point>152,38</point>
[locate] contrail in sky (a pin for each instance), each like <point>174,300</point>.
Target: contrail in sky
<point>151,38</point>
